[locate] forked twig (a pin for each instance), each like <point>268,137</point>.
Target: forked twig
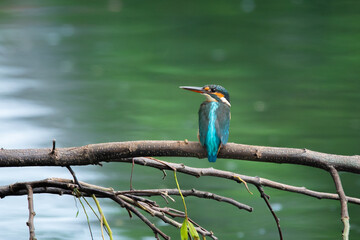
<point>131,174</point>
<point>74,176</point>
<point>266,199</point>
<point>131,200</point>
<point>185,193</point>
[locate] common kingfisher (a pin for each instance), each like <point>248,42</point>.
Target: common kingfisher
<point>214,118</point>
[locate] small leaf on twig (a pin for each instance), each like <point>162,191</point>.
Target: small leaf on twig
<point>184,230</point>
<point>193,231</point>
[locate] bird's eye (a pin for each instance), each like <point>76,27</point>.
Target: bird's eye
<point>212,89</point>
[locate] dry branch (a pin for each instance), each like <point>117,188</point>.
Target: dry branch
<point>198,172</point>
<point>266,199</point>
<point>343,202</point>
<point>131,200</point>
<point>30,222</point>
<point>140,152</point>
<point>107,152</point>
<point>186,193</point>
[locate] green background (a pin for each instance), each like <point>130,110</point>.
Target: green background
<point>100,71</point>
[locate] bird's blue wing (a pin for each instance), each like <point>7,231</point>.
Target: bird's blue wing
<point>222,124</point>
<point>203,121</point>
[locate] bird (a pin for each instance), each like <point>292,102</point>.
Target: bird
<point>214,118</point>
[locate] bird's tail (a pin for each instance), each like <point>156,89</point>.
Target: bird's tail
<point>212,158</point>
<point>213,150</point>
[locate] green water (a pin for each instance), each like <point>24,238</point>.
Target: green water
<point>89,72</point>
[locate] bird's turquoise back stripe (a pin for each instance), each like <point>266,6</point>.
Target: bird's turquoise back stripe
<point>212,139</point>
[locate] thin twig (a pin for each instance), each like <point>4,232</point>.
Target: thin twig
<point>185,193</point>
<point>141,199</point>
<point>141,216</point>
<point>164,176</point>
<point>32,214</point>
<point>58,186</point>
<point>53,146</point>
<point>18,188</point>
<point>131,175</point>
<point>303,190</point>
<point>343,201</point>
<point>170,221</point>
<point>74,176</point>
<point>87,218</point>
<point>103,220</point>
<point>157,236</point>
<point>266,199</point>
<point>66,186</point>
<point>198,172</point>
<point>122,203</point>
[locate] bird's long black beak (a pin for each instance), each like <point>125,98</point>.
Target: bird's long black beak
<point>194,89</point>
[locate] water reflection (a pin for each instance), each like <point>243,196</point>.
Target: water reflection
<point>15,112</point>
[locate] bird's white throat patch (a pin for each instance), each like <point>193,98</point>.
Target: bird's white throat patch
<point>209,98</point>
<point>224,100</point>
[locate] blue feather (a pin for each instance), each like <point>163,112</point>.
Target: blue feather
<point>212,158</point>
<point>212,141</point>
<point>214,121</point>
<point>214,118</point>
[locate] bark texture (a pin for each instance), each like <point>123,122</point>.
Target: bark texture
<point>108,152</point>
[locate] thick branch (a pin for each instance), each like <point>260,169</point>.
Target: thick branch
<point>107,152</point>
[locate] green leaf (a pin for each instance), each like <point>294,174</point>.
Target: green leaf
<point>193,231</point>
<point>184,230</point>
<point>77,213</point>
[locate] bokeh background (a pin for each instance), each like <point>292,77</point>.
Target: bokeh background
<point>99,71</point>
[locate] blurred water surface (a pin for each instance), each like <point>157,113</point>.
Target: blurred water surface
<point>109,71</point>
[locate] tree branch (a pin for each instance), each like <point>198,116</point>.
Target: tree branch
<point>126,199</point>
<point>134,152</point>
<point>266,199</point>
<point>198,172</point>
<point>132,199</point>
<point>30,222</point>
<point>74,176</point>
<point>108,152</point>
<point>185,193</point>
<point>343,202</point>
<point>141,216</point>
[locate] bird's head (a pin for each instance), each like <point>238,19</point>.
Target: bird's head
<point>212,92</point>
